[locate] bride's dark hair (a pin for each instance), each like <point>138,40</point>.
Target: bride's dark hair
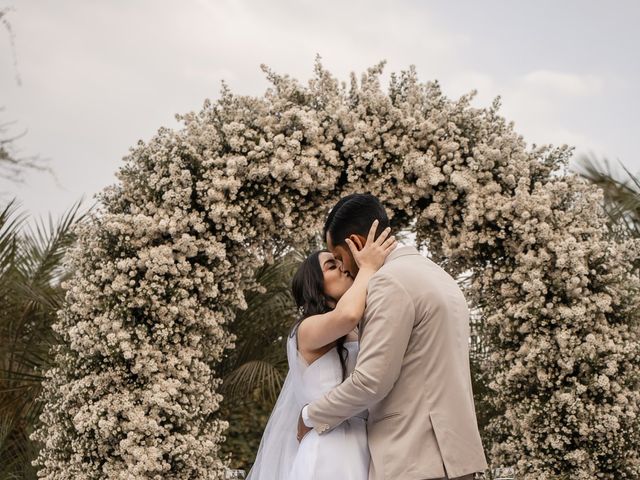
<point>308,292</point>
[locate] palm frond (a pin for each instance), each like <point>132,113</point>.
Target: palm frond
<point>30,272</point>
<point>621,197</point>
<point>44,246</point>
<point>254,375</point>
<point>6,425</point>
<point>36,291</point>
<point>16,455</point>
<point>258,364</point>
<point>10,223</point>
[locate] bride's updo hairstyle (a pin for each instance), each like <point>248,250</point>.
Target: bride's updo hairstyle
<point>307,287</point>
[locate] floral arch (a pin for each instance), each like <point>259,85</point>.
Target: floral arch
<point>159,271</point>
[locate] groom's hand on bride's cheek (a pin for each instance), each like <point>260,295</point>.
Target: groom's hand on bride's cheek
<point>302,428</point>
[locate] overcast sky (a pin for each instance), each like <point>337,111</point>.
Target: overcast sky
<point>92,78</point>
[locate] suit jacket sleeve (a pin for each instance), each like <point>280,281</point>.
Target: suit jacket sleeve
<point>386,329</point>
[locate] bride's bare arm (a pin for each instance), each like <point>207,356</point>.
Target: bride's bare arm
<point>318,331</point>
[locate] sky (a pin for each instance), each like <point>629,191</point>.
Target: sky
<point>85,81</point>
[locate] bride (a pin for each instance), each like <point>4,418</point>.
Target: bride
<point>321,351</point>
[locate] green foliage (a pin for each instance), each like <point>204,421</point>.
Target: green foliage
<point>254,371</point>
<point>247,419</point>
<point>30,292</point>
<point>621,197</point>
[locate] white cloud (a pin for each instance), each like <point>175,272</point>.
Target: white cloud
<point>541,103</point>
<point>563,83</point>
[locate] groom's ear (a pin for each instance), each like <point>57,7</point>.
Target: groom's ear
<point>358,240</point>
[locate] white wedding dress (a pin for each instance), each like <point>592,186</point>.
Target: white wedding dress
<point>342,453</point>
<point>339,454</point>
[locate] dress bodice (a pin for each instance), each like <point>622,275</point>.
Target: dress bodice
<point>342,452</point>
<point>325,373</point>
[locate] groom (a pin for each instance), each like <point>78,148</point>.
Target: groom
<point>412,371</point>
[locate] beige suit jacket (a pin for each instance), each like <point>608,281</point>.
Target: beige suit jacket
<point>412,374</point>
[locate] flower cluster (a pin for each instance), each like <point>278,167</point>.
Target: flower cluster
<point>160,269</point>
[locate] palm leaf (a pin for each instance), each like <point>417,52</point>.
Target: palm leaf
<point>621,197</point>
<point>30,272</point>
<point>254,375</point>
<point>44,247</point>
<point>258,364</point>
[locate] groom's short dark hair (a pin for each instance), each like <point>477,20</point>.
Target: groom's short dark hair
<point>354,214</point>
